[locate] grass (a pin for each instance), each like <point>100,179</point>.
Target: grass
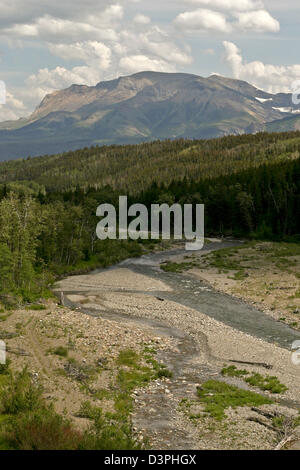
<point>19,394</point>
<point>134,371</point>
<point>128,358</point>
<point>61,351</point>
<point>136,374</point>
<point>102,393</point>
<point>36,307</point>
<point>240,275</point>
<point>106,433</point>
<point>269,383</point>
<point>4,316</point>
<point>28,423</point>
<point>266,383</point>
<point>279,253</point>
<point>170,267</point>
<point>218,396</point>
<point>222,259</point>
<point>232,371</point>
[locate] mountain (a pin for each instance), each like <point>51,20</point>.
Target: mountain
<point>143,107</point>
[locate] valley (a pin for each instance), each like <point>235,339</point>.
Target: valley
<point>167,351</point>
<point>149,229</point>
<point>146,345</point>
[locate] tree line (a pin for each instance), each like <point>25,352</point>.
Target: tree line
<point>133,168</point>
<point>47,233</point>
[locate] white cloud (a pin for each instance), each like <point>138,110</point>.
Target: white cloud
<point>235,5</point>
<point>25,11</point>
<point>233,58</point>
<point>12,109</point>
<point>142,19</point>
<point>99,39</point>
<point>203,19</point>
<point>53,29</point>
<point>156,42</point>
<point>60,77</point>
<point>241,16</point>
<point>139,63</point>
<point>92,52</point>
<point>259,21</point>
<point>272,78</point>
<point>106,38</point>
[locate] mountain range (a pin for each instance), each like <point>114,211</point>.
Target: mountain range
<point>144,107</point>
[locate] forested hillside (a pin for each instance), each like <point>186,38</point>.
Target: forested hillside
<point>46,232</point>
<point>134,168</point>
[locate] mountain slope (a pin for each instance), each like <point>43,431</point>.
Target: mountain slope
<point>142,107</point>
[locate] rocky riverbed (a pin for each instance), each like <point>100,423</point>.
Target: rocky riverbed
<point>139,294</point>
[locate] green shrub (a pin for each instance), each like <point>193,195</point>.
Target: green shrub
<point>105,433</point>
<point>4,368</point>
<point>164,372</point>
<point>128,358</point>
<point>42,429</point>
<point>61,351</point>
<point>268,383</point>
<point>232,371</point>
<point>20,394</point>
<point>36,307</point>
<point>265,383</point>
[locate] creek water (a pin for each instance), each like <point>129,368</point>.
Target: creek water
<point>196,294</point>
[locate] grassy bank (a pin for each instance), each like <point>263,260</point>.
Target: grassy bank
<point>264,273</point>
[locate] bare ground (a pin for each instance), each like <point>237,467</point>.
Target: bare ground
<point>117,310</point>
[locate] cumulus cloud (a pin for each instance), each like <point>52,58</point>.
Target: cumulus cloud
<point>235,5</point>
<point>272,78</point>
<point>259,21</point>
<point>142,19</point>
<point>47,80</point>
<point>22,12</point>
<point>233,58</point>
<point>137,63</point>
<point>156,42</point>
<point>106,38</point>
<point>241,16</point>
<point>12,109</point>
<point>53,29</point>
<point>93,52</point>
<point>203,19</point>
<point>99,41</point>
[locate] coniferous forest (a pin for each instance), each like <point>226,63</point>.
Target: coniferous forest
<point>249,185</point>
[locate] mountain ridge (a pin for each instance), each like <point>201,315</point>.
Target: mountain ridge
<point>142,107</point>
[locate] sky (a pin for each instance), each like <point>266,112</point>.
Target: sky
<point>47,45</point>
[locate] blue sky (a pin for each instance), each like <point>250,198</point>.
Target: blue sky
<point>48,45</point>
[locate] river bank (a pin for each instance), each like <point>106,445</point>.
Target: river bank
<point>150,348</point>
<point>138,291</point>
